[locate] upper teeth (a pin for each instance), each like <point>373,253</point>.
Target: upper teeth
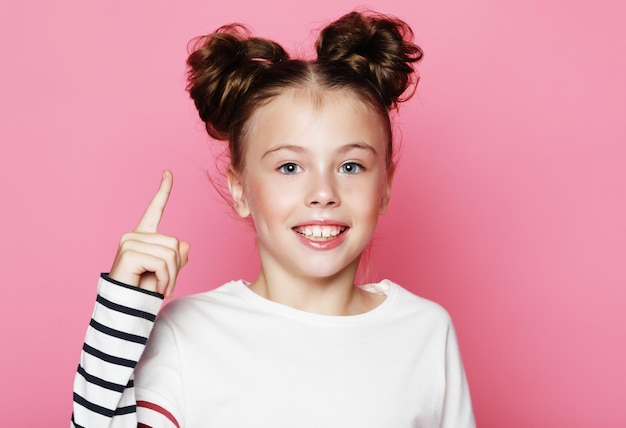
<point>320,231</point>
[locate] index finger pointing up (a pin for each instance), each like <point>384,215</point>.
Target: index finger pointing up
<point>152,217</point>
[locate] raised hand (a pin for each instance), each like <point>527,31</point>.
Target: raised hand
<point>146,258</point>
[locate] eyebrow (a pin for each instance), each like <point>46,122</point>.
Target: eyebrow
<point>358,146</point>
<point>290,147</point>
<point>301,149</point>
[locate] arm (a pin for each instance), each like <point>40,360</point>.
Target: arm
<point>457,406</point>
<point>145,268</point>
<point>121,323</point>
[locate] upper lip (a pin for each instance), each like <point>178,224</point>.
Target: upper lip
<point>321,222</point>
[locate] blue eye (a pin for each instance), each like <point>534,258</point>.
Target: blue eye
<point>289,168</point>
<point>350,168</point>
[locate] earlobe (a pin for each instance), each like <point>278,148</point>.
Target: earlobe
<point>384,203</point>
<point>235,185</point>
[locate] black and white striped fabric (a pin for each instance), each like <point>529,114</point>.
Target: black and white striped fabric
<point>103,387</point>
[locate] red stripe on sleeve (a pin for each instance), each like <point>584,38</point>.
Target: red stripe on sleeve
<point>160,410</point>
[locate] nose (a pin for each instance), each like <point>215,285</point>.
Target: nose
<point>322,191</point>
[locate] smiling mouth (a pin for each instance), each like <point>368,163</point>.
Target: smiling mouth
<point>320,233</point>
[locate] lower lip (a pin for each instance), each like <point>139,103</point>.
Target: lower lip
<point>327,244</point>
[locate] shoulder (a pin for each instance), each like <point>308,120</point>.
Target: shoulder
<point>414,321</point>
<point>409,304</point>
<point>214,302</point>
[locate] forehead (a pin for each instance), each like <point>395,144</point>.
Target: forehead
<point>336,114</point>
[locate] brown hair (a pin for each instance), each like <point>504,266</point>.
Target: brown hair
<point>231,74</point>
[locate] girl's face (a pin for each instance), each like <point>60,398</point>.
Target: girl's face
<point>315,181</point>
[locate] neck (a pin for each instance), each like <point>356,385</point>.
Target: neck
<point>334,295</point>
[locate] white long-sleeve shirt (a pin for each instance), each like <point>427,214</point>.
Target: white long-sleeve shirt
<point>230,358</point>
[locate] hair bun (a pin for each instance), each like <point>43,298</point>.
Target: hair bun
<point>376,47</point>
<point>221,68</point>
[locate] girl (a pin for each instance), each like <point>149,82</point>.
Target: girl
<point>311,162</point>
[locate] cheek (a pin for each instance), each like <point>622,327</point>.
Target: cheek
<point>268,202</point>
<point>368,197</point>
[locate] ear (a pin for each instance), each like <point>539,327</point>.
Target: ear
<point>384,203</point>
<point>236,187</point>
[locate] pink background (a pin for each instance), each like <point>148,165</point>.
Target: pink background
<point>508,207</point>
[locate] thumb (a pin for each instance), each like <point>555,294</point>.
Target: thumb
<point>183,250</point>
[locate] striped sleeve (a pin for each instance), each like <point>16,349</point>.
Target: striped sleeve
<point>116,337</point>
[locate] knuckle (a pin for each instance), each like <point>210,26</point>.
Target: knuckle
<point>171,242</point>
<point>126,246</point>
<point>162,265</point>
<point>173,258</point>
<point>128,236</point>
